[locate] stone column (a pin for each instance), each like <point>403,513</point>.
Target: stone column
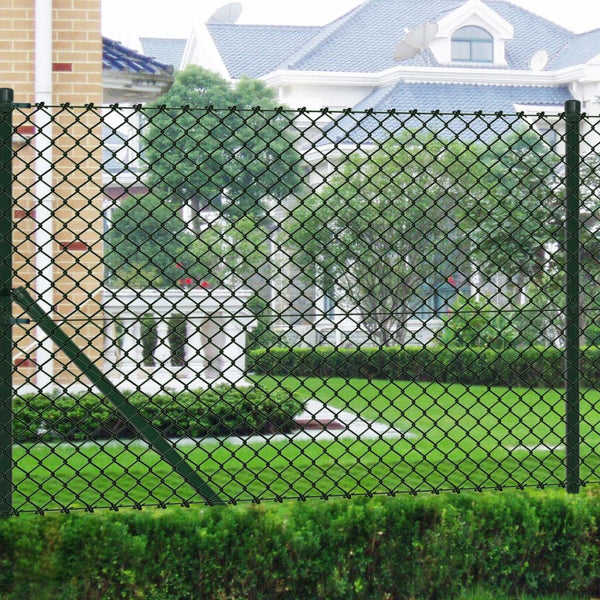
<point>131,344</point>
<point>215,345</point>
<point>162,353</point>
<point>196,358</point>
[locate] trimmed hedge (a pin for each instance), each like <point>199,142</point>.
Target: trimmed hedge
<point>222,410</point>
<point>538,367</point>
<point>403,547</point>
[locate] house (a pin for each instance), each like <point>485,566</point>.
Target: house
<point>488,55</point>
<point>446,55</point>
<point>128,78</point>
<point>52,53</point>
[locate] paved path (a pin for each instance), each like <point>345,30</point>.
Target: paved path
<point>318,422</point>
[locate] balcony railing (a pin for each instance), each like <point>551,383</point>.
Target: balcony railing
<point>215,324</point>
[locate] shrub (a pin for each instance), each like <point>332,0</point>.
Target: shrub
<point>421,548</point>
<point>532,367</point>
<point>177,337</point>
<point>149,339</point>
<point>222,410</point>
<point>477,323</point>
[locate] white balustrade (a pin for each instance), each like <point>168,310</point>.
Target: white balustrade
<point>216,323</point>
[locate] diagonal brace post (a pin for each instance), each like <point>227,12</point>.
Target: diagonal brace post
<point>158,442</point>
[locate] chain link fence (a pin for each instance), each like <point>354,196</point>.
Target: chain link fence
<point>229,305</point>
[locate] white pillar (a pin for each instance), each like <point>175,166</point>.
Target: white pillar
<point>131,343</point>
<point>162,353</point>
<point>196,361</point>
<point>215,345</point>
<point>112,352</point>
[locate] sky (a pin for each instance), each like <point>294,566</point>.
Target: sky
<point>125,20</point>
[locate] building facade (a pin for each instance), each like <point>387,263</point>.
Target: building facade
<point>54,57</point>
<point>401,55</point>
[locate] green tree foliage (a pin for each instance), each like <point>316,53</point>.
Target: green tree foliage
<point>522,209</point>
<point>521,233</point>
<point>477,323</point>
<point>150,245</point>
<point>387,222</point>
<point>207,142</point>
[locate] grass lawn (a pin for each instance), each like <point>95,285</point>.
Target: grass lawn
<point>483,594</point>
<point>459,438</point>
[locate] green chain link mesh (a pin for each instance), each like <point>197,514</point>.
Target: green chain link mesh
<point>302,304</point>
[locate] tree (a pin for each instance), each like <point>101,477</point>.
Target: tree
<point>207,143</point>
<point>386,223</point>
<point>477,323</point>
<point>150,245</point>
<point>521,234</point>
<point>522,210</point>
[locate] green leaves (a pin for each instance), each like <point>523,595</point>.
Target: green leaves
<point>150,245</point>
<point>220,144</point>
<point>386,222</point>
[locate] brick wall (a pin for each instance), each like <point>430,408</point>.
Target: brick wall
<point>76,172</point>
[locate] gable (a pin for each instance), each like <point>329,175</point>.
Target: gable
<point>474,16</point>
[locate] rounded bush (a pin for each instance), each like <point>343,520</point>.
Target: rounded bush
<point>218,411</point>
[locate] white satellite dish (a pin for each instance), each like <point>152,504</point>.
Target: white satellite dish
<point>416,41</point>
<point>538,61</point>
<point>226,14</point>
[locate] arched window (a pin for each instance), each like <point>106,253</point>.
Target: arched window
<point>472,44</point>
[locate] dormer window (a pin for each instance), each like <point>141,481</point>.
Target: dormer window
<point>472,44</point>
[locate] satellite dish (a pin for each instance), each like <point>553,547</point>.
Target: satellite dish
<point>416,41</point>
<point>538,61</point>
<point>226,14</point>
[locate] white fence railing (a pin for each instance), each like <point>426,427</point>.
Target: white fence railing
<point>216,323</point>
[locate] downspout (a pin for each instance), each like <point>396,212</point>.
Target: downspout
<point>43,172</point>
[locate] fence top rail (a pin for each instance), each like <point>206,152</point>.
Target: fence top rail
<point>325,111</point>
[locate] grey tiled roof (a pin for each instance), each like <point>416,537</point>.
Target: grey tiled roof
<point>363,40</point>
<point>253,50</point>
<point>359,128</point>
<point>532,33</point>
<point>580,49</point>
<point>461,96</point>
<point>167,50</point>
<point>116,57</point>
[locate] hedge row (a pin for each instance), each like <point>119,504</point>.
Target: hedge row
<point>222,410</point>
<point>418,548</point>
<point>541,367</point>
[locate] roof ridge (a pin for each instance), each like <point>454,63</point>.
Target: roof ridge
<point>326,31</point>
<point>273,25</point>
<point>155,37</point>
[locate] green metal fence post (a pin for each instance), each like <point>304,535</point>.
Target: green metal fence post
<point>6,460</point>
<point>572,292</point>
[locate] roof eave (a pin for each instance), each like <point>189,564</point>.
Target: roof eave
<point>449,75</point>
<point>141,87</point>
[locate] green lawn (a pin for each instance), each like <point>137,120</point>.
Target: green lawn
<point>483,594</point>
<point>459,438</point>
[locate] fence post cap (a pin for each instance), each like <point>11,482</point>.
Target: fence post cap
<point>7,95</point>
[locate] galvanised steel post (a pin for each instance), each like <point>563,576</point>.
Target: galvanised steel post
<point>6,460</point>
<point>572,292</point>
